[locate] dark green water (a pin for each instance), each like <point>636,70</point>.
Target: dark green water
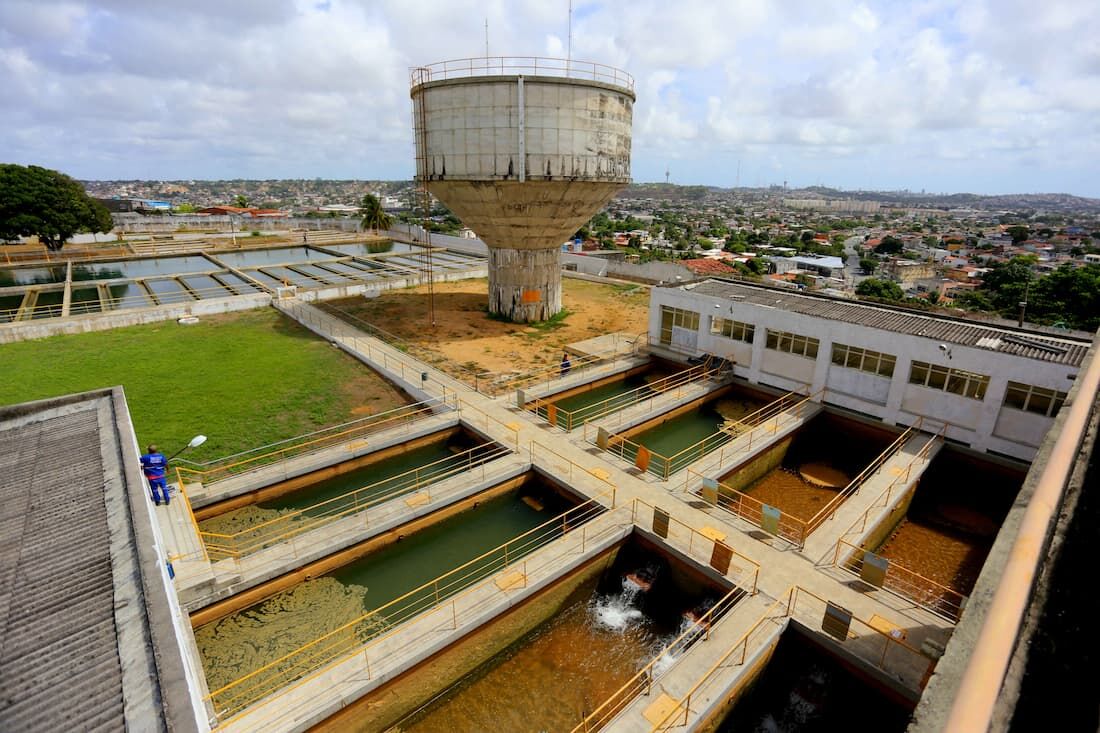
<point>673,436</point>
<point>386,474</point>
<point>599,394</point>
<point>258,635</point>
<point>49,304</point>
<point>427,554</point>
<point>10,303</point>
<point>85,300</point>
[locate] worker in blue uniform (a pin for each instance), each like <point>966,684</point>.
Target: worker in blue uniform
<point>155,467</point>
<point>566,365</point>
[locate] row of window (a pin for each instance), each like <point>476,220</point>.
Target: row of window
<point>955,381</point>
<point>1039,400</point>
<point>865,360</point>
<point>1019,396</point>
<point>792,343</point>
<point>671,317</point>
<point>735,330</point>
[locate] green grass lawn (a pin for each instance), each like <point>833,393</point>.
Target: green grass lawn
<point>243,379</point>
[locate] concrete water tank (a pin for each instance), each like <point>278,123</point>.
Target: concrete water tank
<point>524,151</point>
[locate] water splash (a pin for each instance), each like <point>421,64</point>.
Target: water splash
<point>618,612</point>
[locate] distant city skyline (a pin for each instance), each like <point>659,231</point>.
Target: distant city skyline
<point>984,96</point>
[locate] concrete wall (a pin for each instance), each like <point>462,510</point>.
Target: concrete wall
<point>982,424</point>
<point>25,330</point>
<point>573,129</point>
<point>408,692</point>
<point>748,472</point>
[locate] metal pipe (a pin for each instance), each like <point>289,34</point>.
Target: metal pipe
<point>981,683</point>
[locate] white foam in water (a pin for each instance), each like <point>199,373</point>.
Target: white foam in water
<point>617,612</point>
<point>664,663</point>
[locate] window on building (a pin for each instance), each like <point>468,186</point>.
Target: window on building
<point>865,360</point>
<point>676,317</point>
<point>955,381</point>
<point>1040,400</point>
<point>792,343</point>
<point>732,329</point>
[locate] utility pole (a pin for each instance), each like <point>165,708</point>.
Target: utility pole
<point>1023,303</point>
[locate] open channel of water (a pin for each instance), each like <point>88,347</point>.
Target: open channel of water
<point>803,689</point>
<point>252,637</point>
<point>953,519</point>
<point>829,441</point>
<point>384,477</point>
<point>564,669</point>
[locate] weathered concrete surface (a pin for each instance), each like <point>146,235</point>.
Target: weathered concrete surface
<point>935,706</point>
<point>524,284</point>
<point>569,459</point>
<point>524,162</point>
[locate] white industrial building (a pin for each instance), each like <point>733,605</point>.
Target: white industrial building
<point>992,388</point>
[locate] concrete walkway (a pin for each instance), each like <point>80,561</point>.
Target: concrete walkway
<point>570,460</point>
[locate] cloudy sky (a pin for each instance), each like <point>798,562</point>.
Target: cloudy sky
<point>990,96</point>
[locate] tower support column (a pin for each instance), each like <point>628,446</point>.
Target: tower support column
<point>525,284</point>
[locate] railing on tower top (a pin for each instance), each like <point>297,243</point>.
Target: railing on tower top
<point>516,65</point>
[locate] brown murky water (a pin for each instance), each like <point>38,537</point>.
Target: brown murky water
<point>952,523</point>
<point>784,488</point>
<point>550,683</point>
<point>945,555</point>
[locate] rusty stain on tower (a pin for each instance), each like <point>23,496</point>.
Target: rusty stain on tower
<point>524,151</point>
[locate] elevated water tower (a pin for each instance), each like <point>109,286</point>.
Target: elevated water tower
<point>524,151</point>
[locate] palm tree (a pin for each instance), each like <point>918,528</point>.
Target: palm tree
<point>374,218</point>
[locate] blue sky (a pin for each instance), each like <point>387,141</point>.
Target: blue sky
<point>990,96</point>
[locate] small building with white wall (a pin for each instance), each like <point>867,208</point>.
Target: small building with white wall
<point>995,389</point>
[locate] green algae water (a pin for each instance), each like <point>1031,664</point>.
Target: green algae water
<point>386,477</point>
<point>599,394</point>
<point>233,646</point>
<point>684,431</point>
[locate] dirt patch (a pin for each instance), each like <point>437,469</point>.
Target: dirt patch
<point>465,335</point>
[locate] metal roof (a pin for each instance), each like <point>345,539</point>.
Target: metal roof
<point>1017,342</point>
<point>75,646</point>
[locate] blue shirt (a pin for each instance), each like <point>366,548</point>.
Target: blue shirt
<point>155,465</point>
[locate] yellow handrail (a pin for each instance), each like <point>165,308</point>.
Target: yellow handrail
<point>854,485</point>
<point>929,594</point>
<point>597,473</point>
<point>222,468</point>
<point>680,713</point>
<point>309,518</point>
<point>540,405</point>
<point>706,541</point>
<point>233,697</point>
<point>664,466</point>
<point>643,679</point>
<point>190,513</point>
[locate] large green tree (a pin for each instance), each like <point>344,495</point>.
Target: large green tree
<point>374,217</point>
<point>1069,295</point>
<point>875,288</point>
<point>40,202</point>
<point>889,246</point>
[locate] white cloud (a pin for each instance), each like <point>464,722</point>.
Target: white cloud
<point>844,91</point>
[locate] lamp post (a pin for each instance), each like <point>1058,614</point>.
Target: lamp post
<point>195,443</point>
